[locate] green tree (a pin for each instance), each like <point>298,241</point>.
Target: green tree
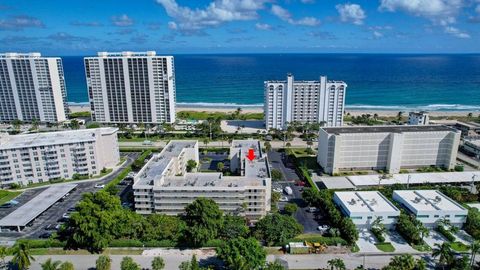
<point>336,264</point>
<point>3,254</point>
<point>474,249</point>
<point>16,124</point>
<point>242,254</point>
<point>35,123</point>
<point>94,223</point>
<point>129,264</point>
<point>444,252</point>
<point>158,263</point>
<point>276,265</point>
<point>276,229</point>
<point>233,227</point>
<point>74,124</point>
<point>66,266</point>
<point>276,175</point>
<point>204,219</point>
<point>93,125</point>
<point>290,208</point>
<point>288,145</point>
<point>50,265</point>
<point>404,262</point>
<point>220,166</point>
<point>103,262</point>
<point>21,256</point>
<point>190,265</point>
<point>310,196</point>
<point>276,197</point>
<point>268,146</point>
<point>162,227</point>
<point>472,224</point>
<point>191,165</point>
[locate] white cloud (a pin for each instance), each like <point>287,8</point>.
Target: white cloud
<point>122,20</point>
<point>172,25</point>
<point>439,12</point>
<point>215,14</point>
<point>285,15</point>
<point>351,13</point>
<point>308,1</point>
<point>456,32</point>
<point>263,26</point>
<point>377,34</point>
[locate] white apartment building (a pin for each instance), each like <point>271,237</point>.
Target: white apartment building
<point>131,87</point>
<point>429,206</point>
<point>364,207</point>
<point>40,157</point>
<point>164,186</point>
<point>32,87</point>
<point>289,101</point>
<point>388,148</point>
<point>418,118</point>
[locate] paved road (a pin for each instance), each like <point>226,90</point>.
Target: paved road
<point>173,259</point>
<point>55,212</point>
<point>277,160</point>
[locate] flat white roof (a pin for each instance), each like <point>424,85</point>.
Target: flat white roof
<point>427,200</point>
<point>33,208</point>
<point>416,178</point>
<point>51,138</point>
<point>365,202</point>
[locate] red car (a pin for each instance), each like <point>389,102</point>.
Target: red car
<point>300,183</point>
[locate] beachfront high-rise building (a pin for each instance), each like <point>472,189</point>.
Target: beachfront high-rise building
<point>32,87</point>
<point>304,101</point>
<point>131,87</point>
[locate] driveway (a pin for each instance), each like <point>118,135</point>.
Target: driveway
<point>277,160</point>
<point>366,241</point>
<point>464,237</point>
<point>434,238</point>
<point>398,242</point>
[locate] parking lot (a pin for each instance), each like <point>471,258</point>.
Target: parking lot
<point>209,161</point>
<point>278,161</point>
<point>53,216</point>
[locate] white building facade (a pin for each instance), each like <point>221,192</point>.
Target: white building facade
<point>32,87</point>
<point>364,207</point>
<point>164,185</point>
<point>40,157</point>
<point>388,148</point>
<point>430,206</point>
<point>418,118</point>
<point>131,87</point>
<point>289,101</point>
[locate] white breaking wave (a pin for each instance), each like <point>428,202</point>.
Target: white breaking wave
<point>431,107</point>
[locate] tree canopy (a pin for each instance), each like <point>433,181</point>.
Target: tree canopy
<point>276,229</point>
<point>242,254</point>
<point>204,219</point>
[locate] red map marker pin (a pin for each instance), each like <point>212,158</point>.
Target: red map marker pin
<point>251,154</point>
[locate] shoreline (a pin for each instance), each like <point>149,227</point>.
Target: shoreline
<point>259,109</point>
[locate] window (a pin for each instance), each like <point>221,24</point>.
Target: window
<point>356,217</point>
<point>460,216</point>
<point>422,216</point>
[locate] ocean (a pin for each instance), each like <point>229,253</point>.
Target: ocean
<point>447,82</point>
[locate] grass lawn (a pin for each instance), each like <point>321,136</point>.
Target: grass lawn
<point>422,247</point>
<point>355,248</point>
<point>460,247</point>
<point>385,247</point>
<point>6,196</point>
<point>300,152</point>
<point>273,251</point>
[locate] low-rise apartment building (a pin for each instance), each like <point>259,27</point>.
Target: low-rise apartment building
<point>430,206</point>
<point>164,186</point>
<point>364,207</point>
<point>388,148</point>
<point>418,118</point>
<point>40,157</point>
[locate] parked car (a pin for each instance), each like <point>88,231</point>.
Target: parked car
<point>45,235</point>
<point>288,190</point>
<point>284,199</point>
<point>50,227</point>
<point>312,209</point>
<point>99,186</point>
<point>66,215</point>
<point>299,183</point>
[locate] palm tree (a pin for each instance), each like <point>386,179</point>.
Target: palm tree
<point>288,145</point>
<point>444,252</point>
<point>16,124</point>
<point>399,115</point>
<point>74,124</point>
<point>35,124</point>
<point>336,264</point>
<point>445,222</point>
<point>379,226</point>
<point>21,256</point>
<point>66,266</point>
<point>206,141</point>
<point>50,265</point>
<point>268,146</point>
<point>474,247</point>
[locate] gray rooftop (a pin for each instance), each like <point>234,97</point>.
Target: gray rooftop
<point>386,129</point>
<point>33,208</point>
<point>51,138</point>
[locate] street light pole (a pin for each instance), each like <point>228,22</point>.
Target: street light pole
<point>472,185</point>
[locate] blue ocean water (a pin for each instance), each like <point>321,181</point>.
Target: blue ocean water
<point>375,81</point>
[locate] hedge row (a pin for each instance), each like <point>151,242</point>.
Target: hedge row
<point>377,233</point>
<point>446,233</point>
<point>329,241</point>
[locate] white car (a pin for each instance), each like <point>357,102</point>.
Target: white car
<point>284,199</point>
<point>99,186</point>
<point>279,190</point>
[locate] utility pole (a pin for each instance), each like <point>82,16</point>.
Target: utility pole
<point>408,180</point>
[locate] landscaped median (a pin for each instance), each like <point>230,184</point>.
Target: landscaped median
<point>6,196</point>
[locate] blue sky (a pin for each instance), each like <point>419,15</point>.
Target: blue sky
<point>83,27</point>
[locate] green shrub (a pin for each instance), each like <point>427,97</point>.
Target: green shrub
<point>378,234</point>
<point>446,233</point>
<point>125,243</point>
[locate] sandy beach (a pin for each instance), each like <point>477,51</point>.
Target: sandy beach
<point>355,112</point>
